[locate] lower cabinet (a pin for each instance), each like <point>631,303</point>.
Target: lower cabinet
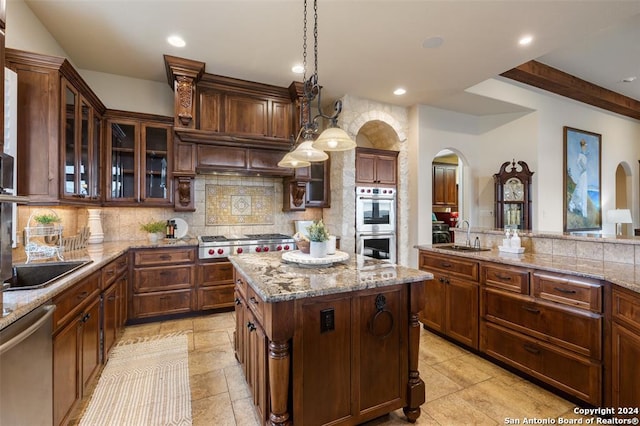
<point>163,282</point>
<point>625,336</point>
<point>451,298</point>
<point>76,344</point>
<point>214,285</point>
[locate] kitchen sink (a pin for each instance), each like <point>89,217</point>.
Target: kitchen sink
<point>454,247</point>
<point>37,275</point>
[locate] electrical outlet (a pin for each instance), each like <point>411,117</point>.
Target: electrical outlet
<point>327,320</point>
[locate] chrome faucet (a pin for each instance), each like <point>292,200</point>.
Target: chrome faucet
<point>468,243</point>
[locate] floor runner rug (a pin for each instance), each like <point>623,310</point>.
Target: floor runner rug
<point>144,383</point>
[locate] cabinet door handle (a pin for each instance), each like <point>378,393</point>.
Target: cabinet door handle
<point>530,309</point>
<point>163,273</point>
<point>503,277</point>
<point>83,295</point>
<point>111,272</point>
<point>445,265</point>
<point>442,280</point>
<point>238,302</point>
<point>253,300</point>
<point>564,290</point>
<point>251,326</point>
<point>86,317</point>
<point>531,349</point>
<point>111,299</point>
<point>165,256</point>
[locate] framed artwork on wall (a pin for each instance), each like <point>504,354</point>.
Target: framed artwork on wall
<point>582,198</point>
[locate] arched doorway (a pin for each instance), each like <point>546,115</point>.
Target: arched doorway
<point>623,195</point>
<point>447,192</point>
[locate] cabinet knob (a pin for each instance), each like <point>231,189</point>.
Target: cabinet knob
<point>251,326</point>
<point>238,302</point>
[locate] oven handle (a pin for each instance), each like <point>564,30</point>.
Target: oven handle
<point>376,234</point>
<point>376,198</point>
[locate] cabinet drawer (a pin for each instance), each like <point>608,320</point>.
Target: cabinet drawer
<point>164,256</point>
<point>462,268</point>
<point>113,270</point>
<point>626,309</point>
<point>568,289</point>
<point>163,278</point>
<point>73,300</point>
<point>571,373</point>
<point>256,304</point>
<point>215,297</point>
<point>162,303</point>
<point>574,329</point>
<point>215,274</point>
<point>505,278</point>
<point>241,286</point>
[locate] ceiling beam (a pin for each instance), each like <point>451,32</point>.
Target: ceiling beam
<point>553,80</point>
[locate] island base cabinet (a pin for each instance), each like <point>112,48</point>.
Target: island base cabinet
<point>574,374</point>
<point>625,338</point>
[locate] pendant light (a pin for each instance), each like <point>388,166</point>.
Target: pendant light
<point>333,138</point>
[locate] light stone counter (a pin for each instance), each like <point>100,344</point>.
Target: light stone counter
<point>275,280</point>
<point>17,303</point>
<point>623,274</point>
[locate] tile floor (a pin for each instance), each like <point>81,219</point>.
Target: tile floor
<point>461,388</point>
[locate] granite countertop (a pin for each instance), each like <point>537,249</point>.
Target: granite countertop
<point>622,274</point>
<point>17,303</point>
<point>276,280</point>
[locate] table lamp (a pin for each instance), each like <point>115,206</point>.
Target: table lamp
<point>619,216</point>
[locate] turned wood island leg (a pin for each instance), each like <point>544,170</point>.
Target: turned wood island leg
<point>415,386</point>
<point>279,363</point>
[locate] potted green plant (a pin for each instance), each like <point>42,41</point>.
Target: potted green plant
<point>46,219</point>
<point>318,235</point>
<point>153,229</point>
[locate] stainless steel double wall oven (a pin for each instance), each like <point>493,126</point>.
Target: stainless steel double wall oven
<point>376,222</point>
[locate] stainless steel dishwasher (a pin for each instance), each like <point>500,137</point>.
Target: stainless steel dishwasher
<point>26,369</point>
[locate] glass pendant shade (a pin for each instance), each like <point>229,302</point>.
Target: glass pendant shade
<point>306,152</point>
<point>334,139</point>
<point>292,163</point>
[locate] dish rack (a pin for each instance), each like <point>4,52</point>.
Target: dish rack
<point>43,241</point>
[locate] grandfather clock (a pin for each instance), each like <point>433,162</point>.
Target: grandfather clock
<point>513,195</point>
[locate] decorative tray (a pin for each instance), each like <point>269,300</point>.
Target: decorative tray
<point>511,249</point>
<point>300,258</point>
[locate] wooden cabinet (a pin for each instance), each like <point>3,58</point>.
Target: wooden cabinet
<point>139,159</point>
<point>76,344</point>
<point>42,130</point>
<point>445,185</point>
<point>80,148</point>
<point>376,166</point>
<point>214,286</point>
<point>451,298</point>
<point>550,328</point>
<point>363,369</point>
<point>625,337</point>
<point>163,282</point>
<point>309,187</point>
<point>3,15</point>
<point>114,302</point>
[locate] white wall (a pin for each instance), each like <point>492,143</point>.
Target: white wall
<point>535,137</point>
<point>26,32</point>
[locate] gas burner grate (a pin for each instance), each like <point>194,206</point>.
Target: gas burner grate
<point>213,238</point>
<point>268,236</point>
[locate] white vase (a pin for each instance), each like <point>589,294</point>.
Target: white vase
<point>95,227</point>
<point>318,249</point>
<point>331,245</point>
<point>153,237</point>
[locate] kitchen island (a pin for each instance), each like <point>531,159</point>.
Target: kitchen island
<point>329,344</point>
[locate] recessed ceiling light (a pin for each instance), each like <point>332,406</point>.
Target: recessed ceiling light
<point>176,41</point>
<point>433,42</point>
<point>298,69</point>
<point>629,79</point>
<point>399,91</point>
<point>525,40</point>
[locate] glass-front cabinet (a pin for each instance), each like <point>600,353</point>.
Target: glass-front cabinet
<point>81,140</point>
<point>139,162</point>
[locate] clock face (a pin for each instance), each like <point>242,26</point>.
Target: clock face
<point>513,190</point>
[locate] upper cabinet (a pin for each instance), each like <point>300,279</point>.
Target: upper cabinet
<point>58,131</point>
<point>376,166</point>
<point>445,186</point>
<point>140,156</point>
<point>80,146</point>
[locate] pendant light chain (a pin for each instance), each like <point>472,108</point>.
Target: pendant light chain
<point>304,44</point>
<point>315,37</point>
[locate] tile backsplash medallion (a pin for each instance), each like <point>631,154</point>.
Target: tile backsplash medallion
<point>254,197</point>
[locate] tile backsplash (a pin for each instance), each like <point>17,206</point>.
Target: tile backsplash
<point>123,223</point>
